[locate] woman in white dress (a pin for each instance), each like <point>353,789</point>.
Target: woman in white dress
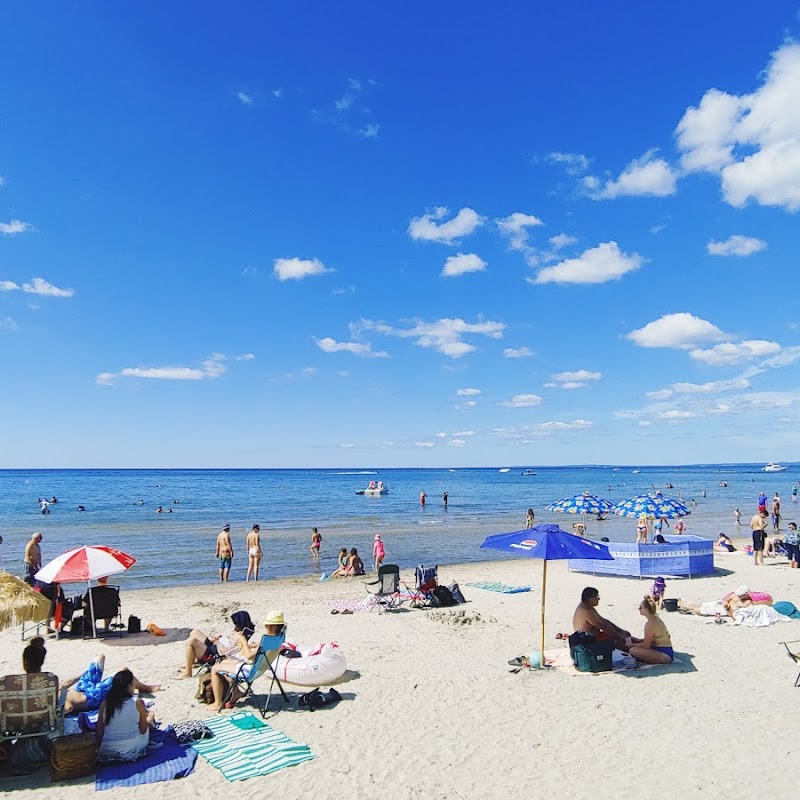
<point>123,723</point>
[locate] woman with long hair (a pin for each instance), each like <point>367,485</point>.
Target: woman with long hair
<point>123,723</point>
<point>656,646</point>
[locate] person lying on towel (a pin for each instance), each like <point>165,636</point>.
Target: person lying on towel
<point>587,619</point>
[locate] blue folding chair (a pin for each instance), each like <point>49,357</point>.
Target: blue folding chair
<point>426,579</point>
<point>247,674</point>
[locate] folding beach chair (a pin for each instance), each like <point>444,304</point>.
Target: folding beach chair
<point>247,674</point>
<point>29,706</point>
<point>426,579</point>
<point>795,656</point>
<point>386,591</point>
<point>105,604</point>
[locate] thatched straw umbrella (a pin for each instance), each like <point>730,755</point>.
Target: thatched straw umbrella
<point>19,603</point>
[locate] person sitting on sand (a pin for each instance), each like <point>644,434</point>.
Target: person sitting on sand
<point>341,571</point>
<point>724,544</point>
<point>123,723</point>
<point>355,566</point>
<point>202,649</point>
<point>587,619</point>
<point>274,625</point>
<point>655,647</point>
<point>657,591</point>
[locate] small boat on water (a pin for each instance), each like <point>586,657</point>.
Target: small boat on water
<point>375,489</point>
<point>635,471</point>
<point>773,468</point>
<point>505,469</point>
<point>527,472</point>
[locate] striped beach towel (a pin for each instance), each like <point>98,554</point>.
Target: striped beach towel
<point>244,747</point>
<point>499,587</point>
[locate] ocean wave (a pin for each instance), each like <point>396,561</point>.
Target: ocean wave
<point>360,472</point>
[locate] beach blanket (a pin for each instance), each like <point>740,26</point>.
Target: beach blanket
<point>171,760</point>
<point>244,747</point>
<point>787,608</point>
<point>499,587</point>
<point>361,604</point>
<point>758,616</point>
<point>621,662</point>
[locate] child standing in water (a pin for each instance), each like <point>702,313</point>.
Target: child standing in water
<point>316,543</point>
<point>378,551</point>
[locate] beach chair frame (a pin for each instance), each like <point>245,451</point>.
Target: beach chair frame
<point>795,656</point>
<point>426,579</point>
<point>386,594</point>
<point>30,705</point>
<point>244,680</point>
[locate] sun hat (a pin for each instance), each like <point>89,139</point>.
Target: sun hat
<point>660,581</point>
<point>274,618</point>
<point>740,590</point>
<point>226,527</point>
<point>377,537</point>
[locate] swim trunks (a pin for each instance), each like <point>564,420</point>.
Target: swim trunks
<point>225,562</point>
<point>91,684</point>
<point>758,540</point>
<point>667,651</point>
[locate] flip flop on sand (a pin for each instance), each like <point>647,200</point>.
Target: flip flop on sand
<point>519,661</point>
<point>562,636</point>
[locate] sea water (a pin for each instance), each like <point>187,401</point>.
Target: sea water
<point>177,546</point>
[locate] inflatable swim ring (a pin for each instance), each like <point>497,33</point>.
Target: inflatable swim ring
<point>317,666</point>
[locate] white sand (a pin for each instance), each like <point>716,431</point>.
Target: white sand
<point>431,710</point>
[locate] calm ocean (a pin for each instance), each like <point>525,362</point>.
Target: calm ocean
<point>178,547</point>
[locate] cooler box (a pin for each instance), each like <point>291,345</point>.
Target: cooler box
<point>590,655</point>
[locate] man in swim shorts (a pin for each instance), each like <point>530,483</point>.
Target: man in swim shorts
<point>32,560</point>
<point>224,552</point>
<point>587,619</point>
<point>758,524</point>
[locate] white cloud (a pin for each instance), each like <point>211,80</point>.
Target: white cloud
<point>644,423</point>
<point>370,131</point>
<point>560,425</point>
<point>41,287</point>
<point>8,324</point>
<point>424,444</point>
<point>428,227</point>
<point>244,98</point>
<point>9,286</point>
<point>646,176</point>
<point>464,434</point>
<point>277,92</point>
<point>244,357</point>
<point>468,392</point>
<point>573,163</point>
<point>211,367</point>
<point>736,245</point>
<point>517,352</point>
<point>14,227</point>
<point>735,384</point>
<point>443,335</point>
<point>572,380</point>
<point>654,229</point>
<point>456,443</point>
<point>606,262</point>
<point>751,141</point>
<point>522,401</point>
<point>105,379</point>
<point>468,404</point>
<point>676,414</point>
<point>2,181</point>
<point>328,345</point>
<point>561,240</point>
<point>441,435</point>
<point>681,331</point>
<point>461,264</point>
<point>514,228</point>
<point>293,269</point>
<point>730,353</point>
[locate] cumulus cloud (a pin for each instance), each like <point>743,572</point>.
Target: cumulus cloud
<point>467,404</point>
<point>675,414</point>
<point>294,269</point>
<point>456,443</point>
<point>461,264</point>
<point>572,380</point>
<point>469,392</point>
<point>517,352</point>
<point>600,264</point>
<point>561,425</point>
<point>245,99</point>
<point>573,163</point>
<point>424,444</point>
<point>646,176</point>
<point>211,367</point>
<point>464,433</point>
<point>681,331</point>
<point>38,286</point>
<point>430,227</point>
<point>514,228</point>
<point>14,227</point>
<point>328,345</point>
<point>735,384</point>
<point>723,355</point>
<point>244,357</point>
<point>736,245</point>
<point>751,141</point>
<point>522,401</point>
<point>561,240</point>
<point>443,335</point>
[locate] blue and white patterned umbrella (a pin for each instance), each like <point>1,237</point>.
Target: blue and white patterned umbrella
<point>583,504</point>
<point>653,506</point>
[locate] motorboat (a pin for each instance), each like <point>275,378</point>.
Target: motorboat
<point>635,471</point>
<point>505,469</point>
<point>527,472</point>
<point>375,489</point>
<point>773,468</point>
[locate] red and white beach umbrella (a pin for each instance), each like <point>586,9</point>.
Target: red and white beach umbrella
<point>85,564</point>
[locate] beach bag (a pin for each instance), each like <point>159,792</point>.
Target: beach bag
<point>192,730</point>
<point>73,756</point>
<point>134,624</point>
<point>76,626</point>
<point>456,592</point>
<point>589,654</point>
<point>204,692</point>
<point>441,597</point>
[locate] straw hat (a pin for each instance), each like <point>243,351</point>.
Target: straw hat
<point>274,618</point>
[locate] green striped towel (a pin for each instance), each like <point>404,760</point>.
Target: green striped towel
<point>499,587</point>
<point>241,753</point>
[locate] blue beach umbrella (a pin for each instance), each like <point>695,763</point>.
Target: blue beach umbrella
<point>549,543</point>
<point>583,504</point>
<point>653,506</point>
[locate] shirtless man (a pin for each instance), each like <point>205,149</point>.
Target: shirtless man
<point>32,560</point>
<point>254,552</point>
<point>224,552</point>
<point>587,619</point>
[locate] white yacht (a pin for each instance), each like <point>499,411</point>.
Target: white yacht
<point>773,468</point>
<point>375,489</point>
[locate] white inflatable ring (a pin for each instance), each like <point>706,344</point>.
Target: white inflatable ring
<point>325,666</point>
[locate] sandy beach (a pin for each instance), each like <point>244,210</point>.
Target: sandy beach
<point>431,709</point>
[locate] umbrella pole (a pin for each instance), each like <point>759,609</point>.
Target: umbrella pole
<point>544,591</point>
<point>91,608</point>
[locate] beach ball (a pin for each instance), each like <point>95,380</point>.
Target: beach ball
<point>535,659</point>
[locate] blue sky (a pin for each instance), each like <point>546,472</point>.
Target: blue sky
<point>356,234</point>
